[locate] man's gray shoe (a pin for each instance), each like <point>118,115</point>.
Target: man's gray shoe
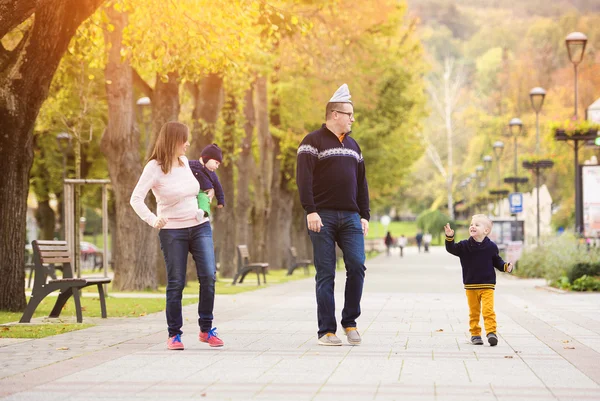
<point>352,335</point>
<point>329,339</point>
<point>476,340</point>
<point>492,339</point>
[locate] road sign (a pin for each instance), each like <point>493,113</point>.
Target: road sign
<point>515,200</point>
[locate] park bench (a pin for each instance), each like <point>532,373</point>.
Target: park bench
<point>296,263</point>
<point>245,266</point>
<point>46,254</point>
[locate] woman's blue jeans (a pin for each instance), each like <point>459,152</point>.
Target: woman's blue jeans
<point>176,244</point>
<point>343,227</point>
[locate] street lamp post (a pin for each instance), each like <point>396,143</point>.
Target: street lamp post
<point>64,143</point>
<point>576,42</point>
<point>515,129</point>
<point>143,104</point>
<point>498,149</point>
<point>537,96</point>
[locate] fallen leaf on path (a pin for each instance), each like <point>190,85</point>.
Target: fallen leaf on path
<point>517,352</point>
<point>508,356</point>
<point>62,348</point>
<point>203,395</point>
<point>569,347</point>
<point>565,341</point>
<point>438,330</point>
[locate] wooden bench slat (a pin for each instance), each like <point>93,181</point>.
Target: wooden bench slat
<point>53,248</point>
<point>49,242</point>
<point>56,260</point>
<point>55,254</point>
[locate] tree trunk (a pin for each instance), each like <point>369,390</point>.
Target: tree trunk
<point>208,99</point>
<point>279,234</point>
<point>134,259</point>
<point>165,106</point>
<point>44,215</point>
<point>300,237</point>
<point>280,220</point>
<point>245,169</point>
<point>25,76</point>
<point>225,234</point>
<point>262,186</point>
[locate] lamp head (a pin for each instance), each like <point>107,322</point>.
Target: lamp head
<point>537,95</point>
<point>516,126</point>
<point>576,42</point>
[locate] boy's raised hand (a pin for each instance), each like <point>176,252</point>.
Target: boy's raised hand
<point>448,230</point>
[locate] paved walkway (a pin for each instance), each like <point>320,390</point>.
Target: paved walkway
<point>415,347</point>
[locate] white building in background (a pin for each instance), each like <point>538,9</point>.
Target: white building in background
<point>593,112</point>
<point>529,214</point>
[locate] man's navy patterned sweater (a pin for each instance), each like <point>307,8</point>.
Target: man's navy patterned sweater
<point>331,174</point>
<point>207,180</point>
<point>478,260</point>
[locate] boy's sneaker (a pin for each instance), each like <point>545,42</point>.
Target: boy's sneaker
<point>175,342</point>
<point>476,340</point>
<point>329,339</point>
<point>352,335</point>
<point>211,338</point>
<point>492,339</point>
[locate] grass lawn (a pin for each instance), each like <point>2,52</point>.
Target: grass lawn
<point>397,228</point>
<point>116,307</point>
<point>129,307</point>
<point>39,330</point>
<point>223,285</point>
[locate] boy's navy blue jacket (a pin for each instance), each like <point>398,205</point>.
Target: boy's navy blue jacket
<point>478,260</point>
<point>207,180</point>
<point>331,174</point>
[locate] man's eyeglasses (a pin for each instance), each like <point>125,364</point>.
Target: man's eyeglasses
<point>344,112</point>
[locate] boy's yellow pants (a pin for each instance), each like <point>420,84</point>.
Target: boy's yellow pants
<point>481,301</point>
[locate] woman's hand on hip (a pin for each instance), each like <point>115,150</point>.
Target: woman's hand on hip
<point>160,223</point>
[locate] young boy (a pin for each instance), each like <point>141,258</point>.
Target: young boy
<point>204,171</point>
<point>478,257</point>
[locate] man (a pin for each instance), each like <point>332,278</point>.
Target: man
<point>333,190</point>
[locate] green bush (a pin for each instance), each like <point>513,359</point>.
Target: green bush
<point>555,258</point>
<point>583,269</point>
<point>586,283</point>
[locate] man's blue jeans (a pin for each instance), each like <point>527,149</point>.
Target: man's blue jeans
<point>343,227</point>
<point>175,244</point>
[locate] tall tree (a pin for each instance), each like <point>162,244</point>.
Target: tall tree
<point>135,257</point>
<point>26,71</point>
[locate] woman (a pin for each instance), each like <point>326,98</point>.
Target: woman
<point>175,188</point>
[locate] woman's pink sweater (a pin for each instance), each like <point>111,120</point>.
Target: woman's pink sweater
<point>175,195</point>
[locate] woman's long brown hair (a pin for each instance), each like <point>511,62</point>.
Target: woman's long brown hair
<point>171,135</point>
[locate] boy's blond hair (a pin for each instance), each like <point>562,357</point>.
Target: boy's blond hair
<point>488,222</point>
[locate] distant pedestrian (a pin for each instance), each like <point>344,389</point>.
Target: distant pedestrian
<point>478,258</point>
<point>419,239</point>
<point>389,242</point>
<point>402,242</point>
<point>426,241</point>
